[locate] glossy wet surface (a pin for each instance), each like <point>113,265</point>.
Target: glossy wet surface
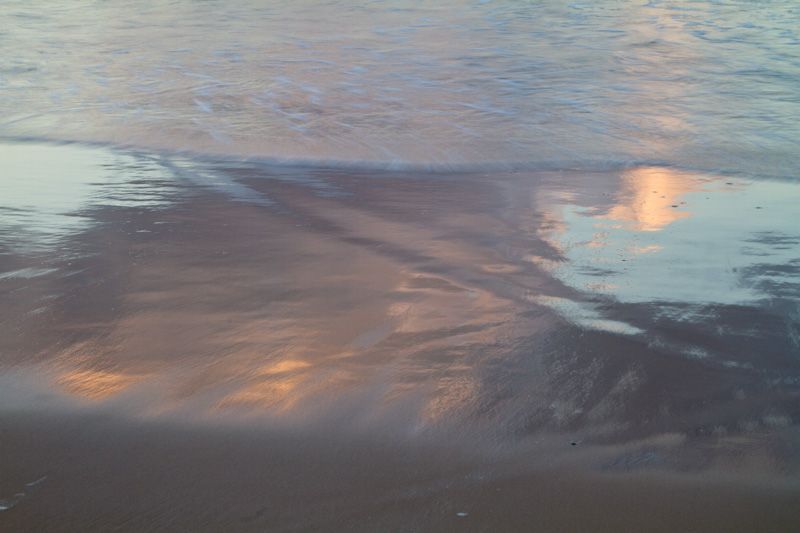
<point>588,316</point>
<point>648,316</point>
<point>494,84</point>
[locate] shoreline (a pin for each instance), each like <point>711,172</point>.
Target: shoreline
<point>254,161</point>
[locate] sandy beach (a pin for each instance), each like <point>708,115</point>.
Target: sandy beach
<point>464,265</point>
<point>200,344</point>
<point>107,474</point>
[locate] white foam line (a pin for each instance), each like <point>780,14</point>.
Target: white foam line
<point>582,314</point>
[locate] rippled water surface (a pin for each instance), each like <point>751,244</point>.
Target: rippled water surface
<point>701,84</point>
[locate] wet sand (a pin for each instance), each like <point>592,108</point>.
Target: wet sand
<point>105,474</point>
<point>219,345</point>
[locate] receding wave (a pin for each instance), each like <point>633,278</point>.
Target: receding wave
<point>438,167</point>
<point>455,86</point>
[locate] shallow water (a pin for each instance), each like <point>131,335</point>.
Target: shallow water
<point>430,339</point>
<point>501,306</point>
<point>704,84</point>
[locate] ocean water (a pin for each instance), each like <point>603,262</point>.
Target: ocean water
<point>706,85</point>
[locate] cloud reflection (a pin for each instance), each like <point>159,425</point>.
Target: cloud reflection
<point>671,236</point>
<point>651,199</point>
<point>97,384</point>
<point>409,295</point>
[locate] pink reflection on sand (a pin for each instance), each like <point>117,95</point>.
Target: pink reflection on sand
<point>239,309</point>
<point>651,199</point>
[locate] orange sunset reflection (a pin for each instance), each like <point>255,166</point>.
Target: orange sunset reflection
<point>603,239</point>
<point>97,384</point>
<point>652,199</point>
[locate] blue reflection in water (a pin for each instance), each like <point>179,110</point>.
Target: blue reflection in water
<point>678,237</point>
<point>47,190</point>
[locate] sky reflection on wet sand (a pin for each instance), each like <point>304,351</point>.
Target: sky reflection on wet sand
<point>717,240</point>
<point>468,264</point>
<point>650,315</point>
<point>415,285</point>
